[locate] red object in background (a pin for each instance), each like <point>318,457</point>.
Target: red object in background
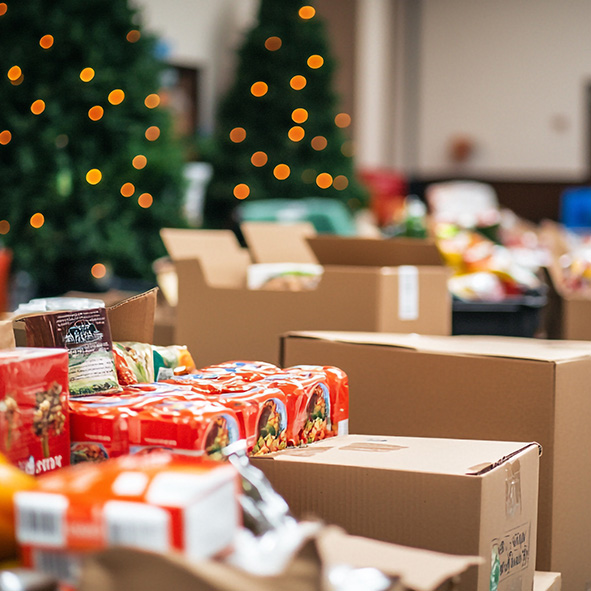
<point>387,191</point>
<point>5,262</point>
<point>34,422</point>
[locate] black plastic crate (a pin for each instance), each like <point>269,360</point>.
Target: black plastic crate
<point>513,317</point>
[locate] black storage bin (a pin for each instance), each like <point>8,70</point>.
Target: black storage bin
<point>513,317</point>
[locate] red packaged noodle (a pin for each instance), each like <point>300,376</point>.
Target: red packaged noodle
<point>338,386</point>
<point>196,426</point>
<point>262,412</point>
<point>99,430</point>
<point>159,502</point>
<point>317,402</point>
<point>211,383</point>
<point>34,422</point>
<point>99,424</point>
<point>249,371</point>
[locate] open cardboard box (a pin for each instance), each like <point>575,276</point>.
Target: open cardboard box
<point>124,569</point>
<point>367,284</point>
<point>470,387</point>
<point>131,318</point>
<point>444,495</point>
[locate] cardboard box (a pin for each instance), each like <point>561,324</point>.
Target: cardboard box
<point>452,496</point>
<point>126,569</point>
<point>131,317</point>
<point>547,581</point>
<point>473,387</point>
<point>367,284</point>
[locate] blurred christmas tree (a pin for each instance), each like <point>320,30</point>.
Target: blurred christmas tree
<point>279,133</point>
<point>89,166</point>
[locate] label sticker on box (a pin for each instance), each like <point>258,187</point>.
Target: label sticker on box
<point>510,554</point>
<point>408,292</point>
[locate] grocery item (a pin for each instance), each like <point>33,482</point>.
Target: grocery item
<point>99,425</point>
<point>161,501</point>
<point>34,422</point>
<point>329,386</point>
<point>86,336</point>
<point>200,427</point>
<point>139,363</point>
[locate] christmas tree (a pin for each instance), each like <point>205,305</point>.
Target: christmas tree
<point>89,166</point>
<point>279,133</point>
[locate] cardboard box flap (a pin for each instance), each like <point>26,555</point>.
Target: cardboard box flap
<point>222,259</point>
<point>420,570</point>
<point>128,569</point>
<point>413,454</point>
<point>133,318</point>
<point>6,334</point>
<point>279,243</point>
<point>479,346</point>
<point>374,252</point>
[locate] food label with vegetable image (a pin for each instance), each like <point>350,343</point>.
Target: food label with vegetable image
<point>272,426</point>
<point>87,337</point>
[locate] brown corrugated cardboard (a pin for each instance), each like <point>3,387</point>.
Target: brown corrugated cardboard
<point>6,334</point>
<point>130,319</point>
<point>134,570</point>
<point>547,581</point>
<point>219,319</point>
<point>452,496</point>
<point>480,388</point>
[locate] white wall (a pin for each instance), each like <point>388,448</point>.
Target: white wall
<point>510,74</point>
<point>203,34</point>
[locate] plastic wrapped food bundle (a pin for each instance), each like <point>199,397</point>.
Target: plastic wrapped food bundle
<point>34,422</point>
<point>262,412</point>
<point>317,399</point>
<point>200,427</point>
<point>249,371</point>
<point>139,363</point>
<point>100,424</point>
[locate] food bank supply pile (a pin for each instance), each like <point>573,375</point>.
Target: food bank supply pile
<point>203,412</point>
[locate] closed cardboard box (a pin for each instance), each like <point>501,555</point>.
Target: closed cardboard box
<point>366,284</point>
<point>470,387</point>
<point>453,496</point>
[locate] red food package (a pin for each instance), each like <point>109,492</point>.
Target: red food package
<point>249,371</point>
<point>98,430</point>
<point>262,412</point>
<point>34,423</point>
<point>338,387</point>
<point>160,502</point>
<point>197,426</point>
<point>99,424</point>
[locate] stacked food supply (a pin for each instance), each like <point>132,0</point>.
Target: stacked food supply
<point>203,412</point>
